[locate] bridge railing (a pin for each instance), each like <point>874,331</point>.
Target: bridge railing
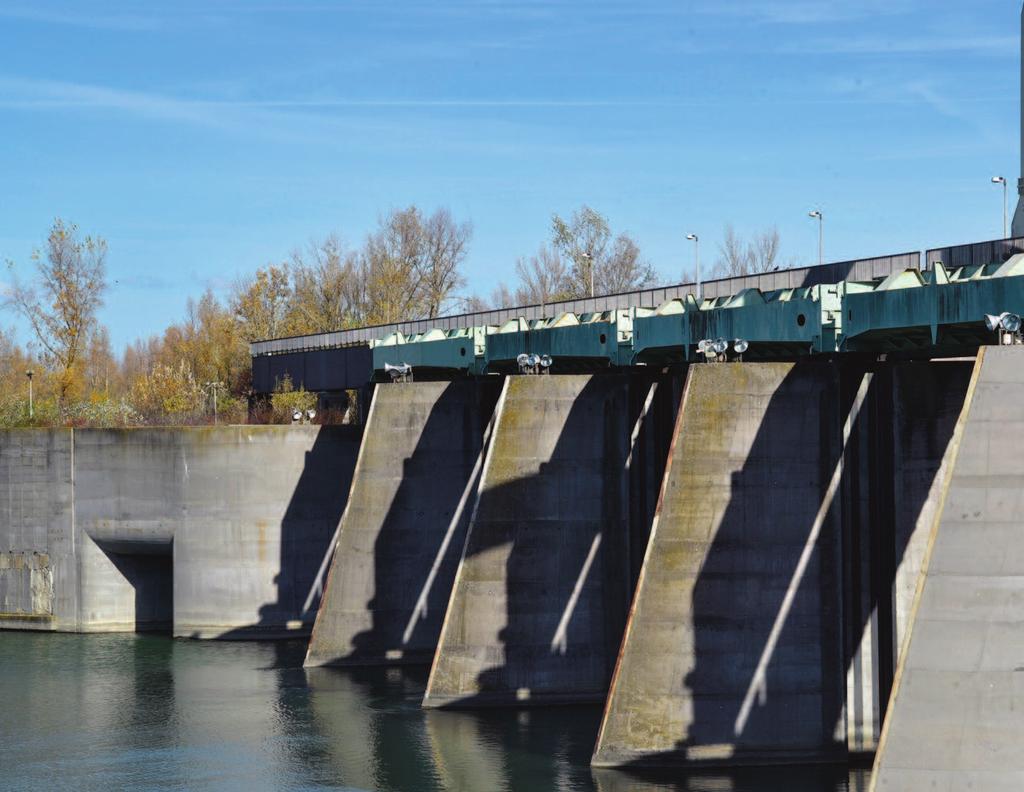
<point>857,269</point>
<point>975,254</point>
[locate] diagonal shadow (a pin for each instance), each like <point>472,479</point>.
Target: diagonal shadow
<point>801,555</point>
<point>541,598</point>
<point>403,530</point>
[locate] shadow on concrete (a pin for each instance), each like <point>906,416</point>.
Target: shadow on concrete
<point>797,613</point>
<point>151,575</point>
<point>417,542</point>
<point>794,778</point>
<point>412,536</point>
<point>572,544</point>
<point>306,535</point>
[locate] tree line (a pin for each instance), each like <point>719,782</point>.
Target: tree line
<point>410,267</point>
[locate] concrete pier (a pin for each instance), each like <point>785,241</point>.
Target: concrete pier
<point>404,526</point>
<point>733,650</point>
<point>955,716</point>
<point>214,532</point>
<point>774,597</point>
<point>542,589</point>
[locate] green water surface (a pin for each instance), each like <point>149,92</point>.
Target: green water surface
<point>102,712</point>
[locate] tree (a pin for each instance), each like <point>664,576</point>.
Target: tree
<point>260,302</point>
<point>411,265</point>
<point>447,244</point>
<point>613,264</point>
<point>327,295</point>
<point>392,268</point>
<point>543,278</point>
<point>167,392</point>
<point>738,258</point>
<point>61,305</point>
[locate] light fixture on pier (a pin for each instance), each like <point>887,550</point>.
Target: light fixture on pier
<point>1007,326</point>
<point>398,373</point>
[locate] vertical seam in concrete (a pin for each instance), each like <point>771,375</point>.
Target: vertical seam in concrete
<point>75,558</point>
<point>489,435</point>
<point>647,554</point>
<point>332,548</point>
<point>953,451</point>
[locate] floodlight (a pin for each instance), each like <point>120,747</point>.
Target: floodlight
<point>992,322</point>
<point>740,345</point>
<point>721,346</point>
<point>402,371</point>
<point>545,361</point>
<point>1010,322</point>
<point>296,416</point>
<point>310,415</point>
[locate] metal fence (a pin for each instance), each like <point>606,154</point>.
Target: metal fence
<point>858,269</point>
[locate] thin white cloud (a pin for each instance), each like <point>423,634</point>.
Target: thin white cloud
<point>803,12</point>
<point>96,21</point>
<point>329,121</point>
<point>995,45</point>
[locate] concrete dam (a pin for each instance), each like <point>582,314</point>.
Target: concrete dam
<point>762,561</point>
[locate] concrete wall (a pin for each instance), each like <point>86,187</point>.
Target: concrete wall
<point>541,592</point>
<point>405,523</point>
<point>955,715</point>
<point>246,513</point>
<point>38,574</point>
<point>733,650</point>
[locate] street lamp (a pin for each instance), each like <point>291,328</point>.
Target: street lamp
<point>590,266</point>
<point>31,409</point>
<point>213,386</point>
<point>817,215</point>
<point>696,257</point>
<point>1002,180</point>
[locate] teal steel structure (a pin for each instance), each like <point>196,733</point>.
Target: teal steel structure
<point>941,311</point>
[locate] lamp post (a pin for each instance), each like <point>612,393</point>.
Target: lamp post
<point>1002,180</point>
<point>696,258</point>
<point>590,266</point>
<point>817,215</point>
<point>213,387</point>
<point>31,407</point>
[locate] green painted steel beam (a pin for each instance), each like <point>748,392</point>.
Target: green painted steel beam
<point>938,310</point>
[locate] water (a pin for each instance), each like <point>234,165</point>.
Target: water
<point>101,712</point>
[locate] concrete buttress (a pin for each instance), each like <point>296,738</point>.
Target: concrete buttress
<point>957,709</point>
<point>542,589</point>
<point>404,524</point>
<point>733,651</point>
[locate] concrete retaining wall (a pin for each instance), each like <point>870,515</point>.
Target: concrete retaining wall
<point>246,514</point>
<point>405,523</point>
<point>955,714</point>
<point>542,589</point>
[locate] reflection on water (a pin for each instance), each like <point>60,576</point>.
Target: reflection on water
<point>103,712</point>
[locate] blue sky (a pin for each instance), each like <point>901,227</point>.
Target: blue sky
<point>203,140</point>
